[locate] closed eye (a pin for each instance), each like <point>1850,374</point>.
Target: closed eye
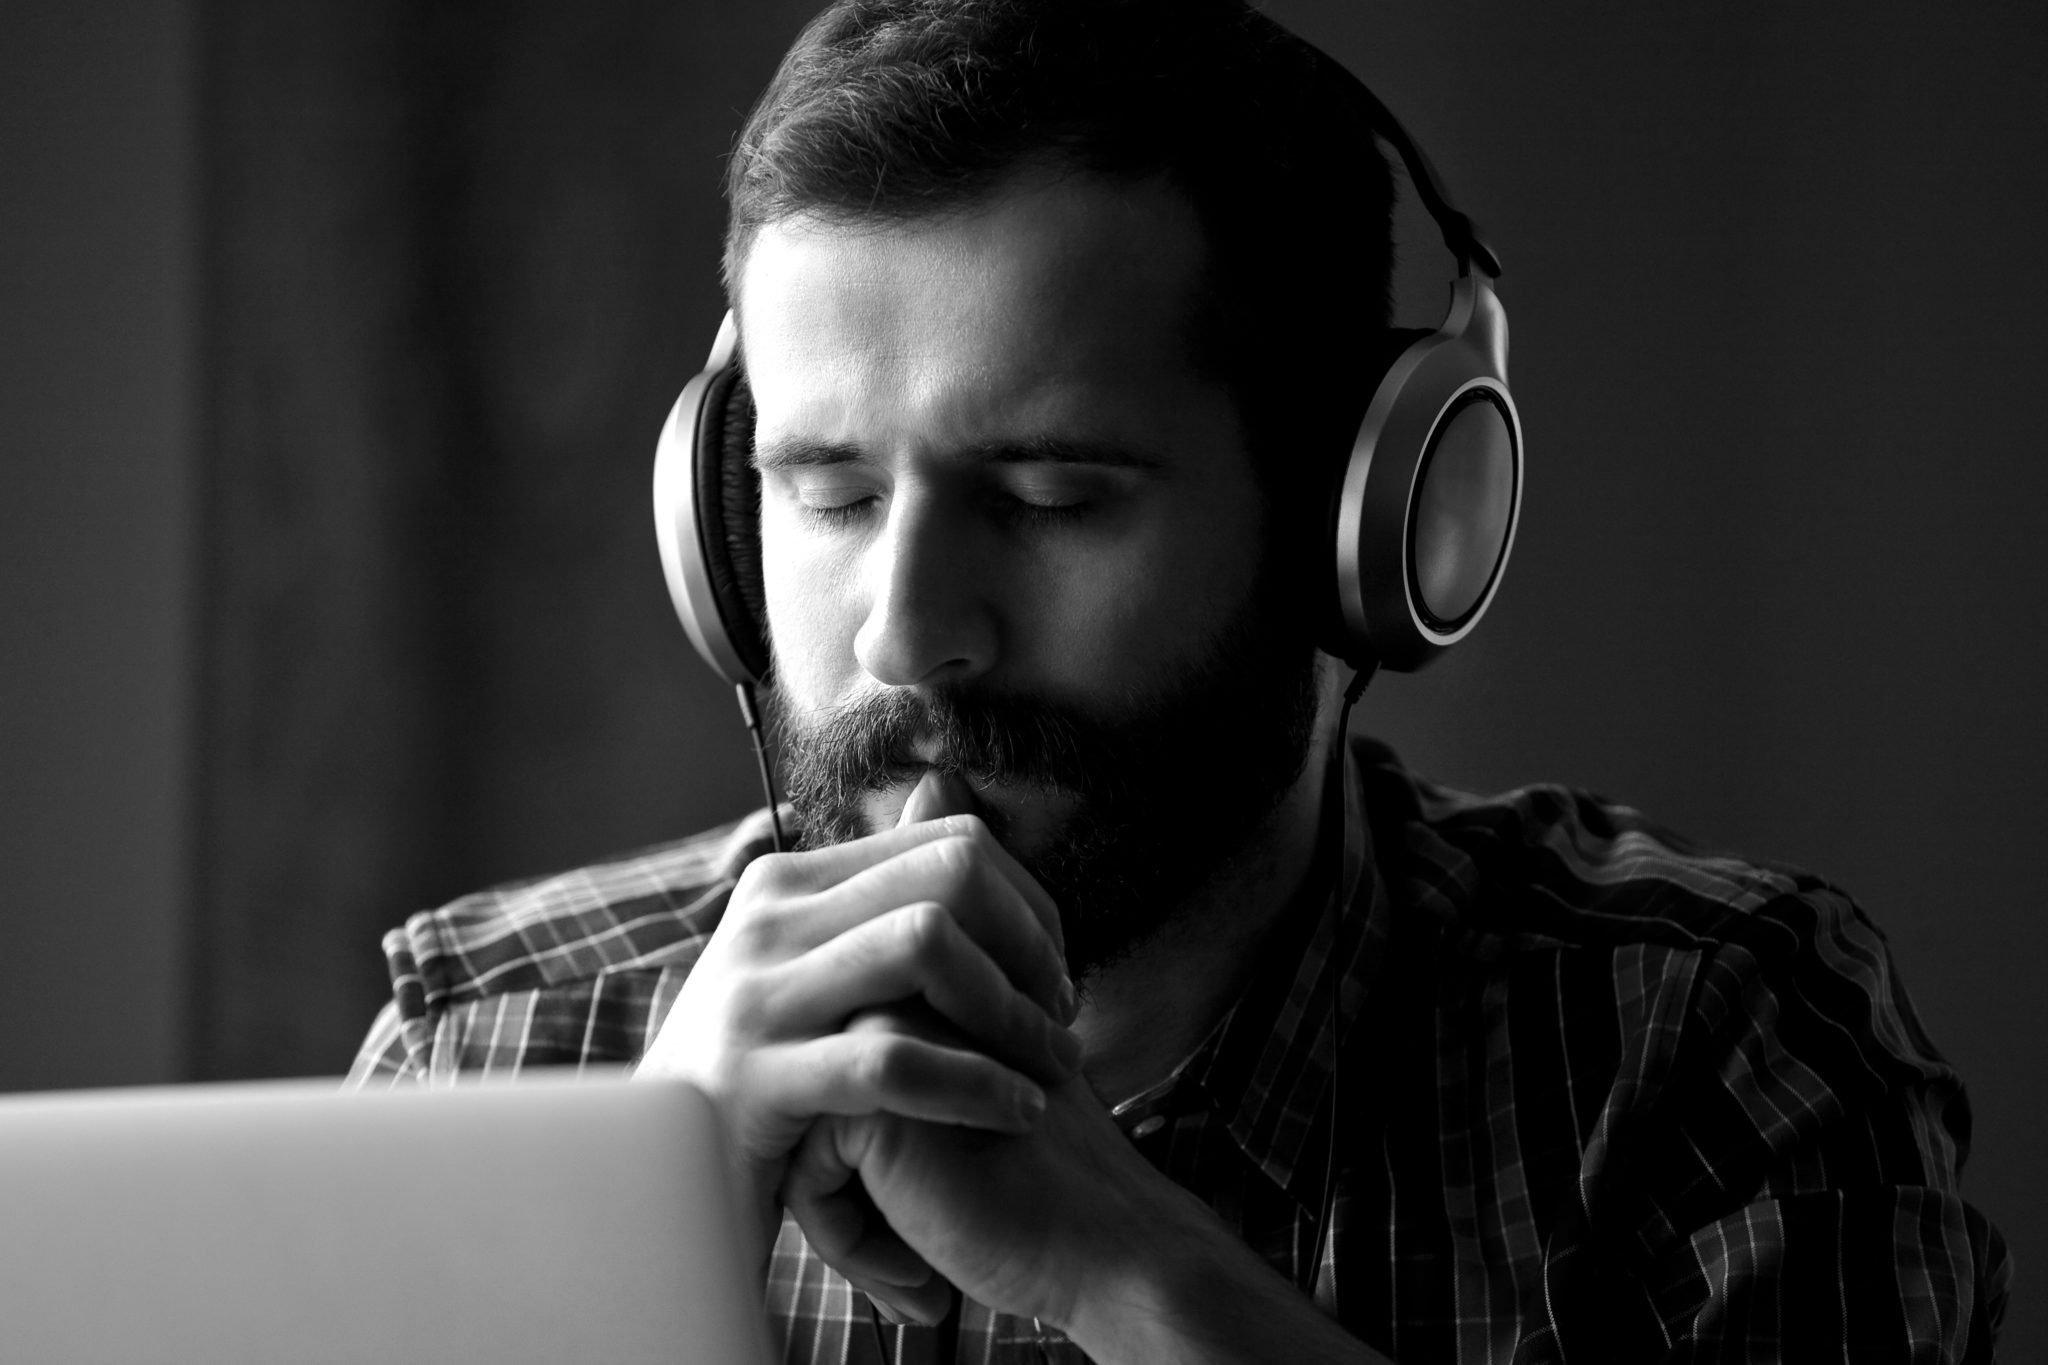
<point>1036,482</point>
<point>1053,493</point>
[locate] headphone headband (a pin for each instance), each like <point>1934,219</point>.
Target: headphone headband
<point>1461,234</point>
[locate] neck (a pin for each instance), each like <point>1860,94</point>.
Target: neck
<point>1145,1013</point>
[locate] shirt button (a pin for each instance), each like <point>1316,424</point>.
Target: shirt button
<point>1147,1127</point>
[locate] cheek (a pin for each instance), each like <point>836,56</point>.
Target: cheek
<point>811,615</point>
<point>1121,615</point>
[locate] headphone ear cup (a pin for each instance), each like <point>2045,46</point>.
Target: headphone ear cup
<point>1425,515</point>
<point>729,510</point>
<point>703,484</point>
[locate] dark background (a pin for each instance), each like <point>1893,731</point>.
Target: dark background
<point>334,338</point>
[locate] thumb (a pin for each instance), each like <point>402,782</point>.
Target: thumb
<point>938,794</point>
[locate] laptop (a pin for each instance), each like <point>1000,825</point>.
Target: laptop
<point>555,1219</point>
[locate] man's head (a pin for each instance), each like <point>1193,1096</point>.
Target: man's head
<point>1020,497</point>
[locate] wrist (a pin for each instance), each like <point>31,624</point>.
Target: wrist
<point>1185,1288</point>
<point>1133,1281</point>
<point>1134,1306</point>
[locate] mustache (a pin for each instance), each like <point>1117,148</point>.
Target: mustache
<point>874,741</point>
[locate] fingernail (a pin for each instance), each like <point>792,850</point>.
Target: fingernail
<point>923,797</point>
<point>937,794</point>
<point>1069,1003</point>
<point>1030,1104</point>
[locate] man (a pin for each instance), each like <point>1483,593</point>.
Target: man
<point>1112,1006</point>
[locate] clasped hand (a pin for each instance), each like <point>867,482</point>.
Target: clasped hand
<point>894,1008</point>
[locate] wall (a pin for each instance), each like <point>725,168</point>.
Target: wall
<point>96,371</point>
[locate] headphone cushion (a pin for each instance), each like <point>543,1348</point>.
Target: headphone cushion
<point>729,494</point>
<point>1334,635</point>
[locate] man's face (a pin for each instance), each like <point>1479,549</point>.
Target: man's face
<point>1007,527</point>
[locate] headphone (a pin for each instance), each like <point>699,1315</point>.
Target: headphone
<point>1420,523</point>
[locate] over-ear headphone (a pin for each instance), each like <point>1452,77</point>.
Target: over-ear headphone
<point>1420,525</point>
<point>707,515</point>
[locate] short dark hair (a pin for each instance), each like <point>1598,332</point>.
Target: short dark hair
<point>895,110</point>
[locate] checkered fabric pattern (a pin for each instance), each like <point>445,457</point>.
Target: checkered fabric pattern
<point>1600,1096</point>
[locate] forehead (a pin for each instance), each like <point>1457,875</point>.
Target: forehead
<point>1058,297</point>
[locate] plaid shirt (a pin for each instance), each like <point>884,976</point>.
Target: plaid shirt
<point>1601,1096</point>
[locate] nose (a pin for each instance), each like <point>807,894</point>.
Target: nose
<point>931,616</point>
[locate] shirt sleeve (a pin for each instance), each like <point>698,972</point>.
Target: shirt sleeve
<point>572,970</point>
<point>396,1050</point>
<point>434,1037</point>
<point>1796,1188</point>
<point>382,1062</point>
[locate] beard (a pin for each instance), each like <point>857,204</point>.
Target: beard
<point>1155,791</point>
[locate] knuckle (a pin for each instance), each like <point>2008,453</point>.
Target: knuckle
<point>770,875</point>
<point>874,1019</point>
<point>926,931</point>
<point>884,1064</point>
<point>755,877</point>
<point>759,931</point>
<point>749,1005</point>
<point>955,860</point>
<point>949,856</point>
<point>970,827</point>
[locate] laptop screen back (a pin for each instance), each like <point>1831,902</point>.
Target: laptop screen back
<point>550,1220</point>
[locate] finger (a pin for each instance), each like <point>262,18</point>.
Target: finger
<point>840,1222</point>
<point>963,874</point>
<point>936,795</point>
<point>1036,898</point>
<point>874,1071</point>
<point>824,1196</point>
<point>940,794</point>
<point>926,1304</point>
<point>816,868</point>
<point>910,1019</point>
<point>920,951</point>
<point>777,879</point>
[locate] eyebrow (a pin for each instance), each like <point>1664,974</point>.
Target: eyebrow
<point>798,452</point>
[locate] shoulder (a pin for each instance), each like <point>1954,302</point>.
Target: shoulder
<point>1704,1070</point>
<point>567,969</point>
<point>1547,867</point>
<point>1570,925</point>
<point>653,908</point>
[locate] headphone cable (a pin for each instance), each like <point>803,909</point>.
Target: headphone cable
<point>1352,692</point>
<point>751,714</point>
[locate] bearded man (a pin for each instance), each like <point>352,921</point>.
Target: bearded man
<point>1113,1005</point>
